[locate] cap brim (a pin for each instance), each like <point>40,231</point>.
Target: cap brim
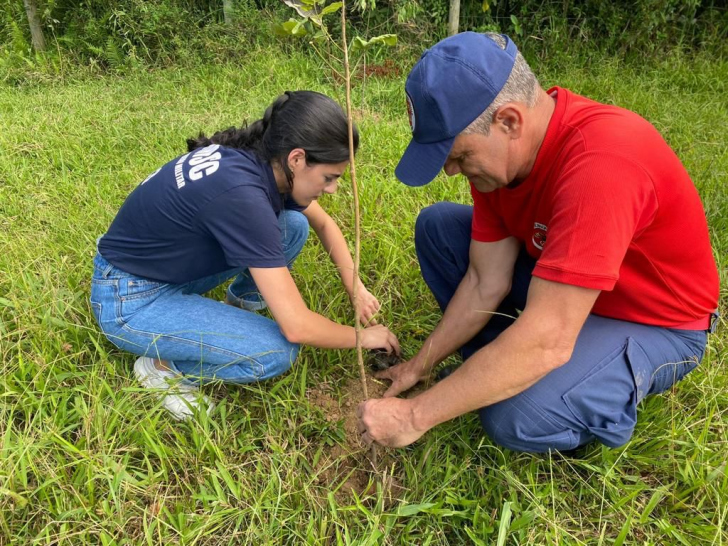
<point>421,163</point>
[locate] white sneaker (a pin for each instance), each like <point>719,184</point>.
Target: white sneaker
<point>182,398</point>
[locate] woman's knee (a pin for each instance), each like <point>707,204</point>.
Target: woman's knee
<point>265,363</point>
<point>294,229</point>
<point>273,360</point>
<point>279,360</point>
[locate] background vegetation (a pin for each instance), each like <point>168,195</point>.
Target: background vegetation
<point>120,34</point>
<point>87,457</point>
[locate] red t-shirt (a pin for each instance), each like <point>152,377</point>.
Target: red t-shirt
<point>609,206</point>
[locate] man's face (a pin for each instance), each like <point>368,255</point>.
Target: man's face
<point>483,160</point>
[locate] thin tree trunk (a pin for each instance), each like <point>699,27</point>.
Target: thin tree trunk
<point>36,33</point>
<point>227,11</point>
<point>453,21</point>
<point>355,189</point>
<point>357,223</point>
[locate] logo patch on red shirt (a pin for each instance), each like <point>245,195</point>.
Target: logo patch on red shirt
<point>539,235</point>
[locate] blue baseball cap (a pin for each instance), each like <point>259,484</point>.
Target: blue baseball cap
<point>449,87</point>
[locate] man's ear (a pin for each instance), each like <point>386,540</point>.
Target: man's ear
<point>296,158</point>
<point>510,119</point>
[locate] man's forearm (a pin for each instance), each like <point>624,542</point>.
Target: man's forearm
<point>503,368</point>
<point>468,312</point>
<point>539,341</point>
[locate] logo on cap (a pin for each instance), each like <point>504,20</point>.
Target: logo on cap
<point>410,112</point>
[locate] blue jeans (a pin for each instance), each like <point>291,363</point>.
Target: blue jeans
<point>594,396</point>
<point>201,338</point>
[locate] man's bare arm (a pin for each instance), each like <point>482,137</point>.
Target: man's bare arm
<point>486,283</point>
<point>540,340</point>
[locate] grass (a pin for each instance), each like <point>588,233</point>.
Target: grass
<point>88,458</point>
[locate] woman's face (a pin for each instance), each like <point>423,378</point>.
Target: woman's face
<point>311,181</point>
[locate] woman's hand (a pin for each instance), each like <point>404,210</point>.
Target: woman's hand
<point>379,337</point>
<point>335,245</point>
<point>368,305</point>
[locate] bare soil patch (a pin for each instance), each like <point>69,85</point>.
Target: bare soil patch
<point>349,469</point>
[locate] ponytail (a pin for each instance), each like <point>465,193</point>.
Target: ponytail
<point>296,119</point>
<point>246,137</point>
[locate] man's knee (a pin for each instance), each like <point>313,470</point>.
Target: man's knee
<point>519,425</point>
<point>427,224</point>
<point>444,225</point>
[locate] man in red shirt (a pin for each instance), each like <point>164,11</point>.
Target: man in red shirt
<point>581,280</point>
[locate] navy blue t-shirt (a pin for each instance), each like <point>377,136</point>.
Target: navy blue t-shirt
<point>207,211</point>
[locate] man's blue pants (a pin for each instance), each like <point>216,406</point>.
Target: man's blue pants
<point>615,364</point>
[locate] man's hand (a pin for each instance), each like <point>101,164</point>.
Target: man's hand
<point>403,376</point>
<point>387,421</point>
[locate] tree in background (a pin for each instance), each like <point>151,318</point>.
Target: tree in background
<point>227,11</point>
<point>453,21</point>
<point>123,34</point>
<point>36,33</point>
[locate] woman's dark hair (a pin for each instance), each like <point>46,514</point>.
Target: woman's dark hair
<point>296,119</point>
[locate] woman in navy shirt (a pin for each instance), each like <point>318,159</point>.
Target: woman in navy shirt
<point>238,205</point>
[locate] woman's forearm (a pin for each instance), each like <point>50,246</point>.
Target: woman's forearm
<point>318,331</point>
<point>335,245</point>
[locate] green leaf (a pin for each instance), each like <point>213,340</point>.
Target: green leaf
<point>359,44</point>
<point>305,8</point>
<point>331,8</point>
<point>299,29</point>
<point>657,496</point>
<point>477,541</point>
<point>523,521</point>
<point>517,25</point>
<point>485,6</point>
<point>716,473</point>
<point>232,484</point>
<point>319,37</point>
<point>412,509</point>
<point>291,28</point>
<point>505,523</point>
<point>313,10</point>
<point>20,501</point>
<point>623,533</point>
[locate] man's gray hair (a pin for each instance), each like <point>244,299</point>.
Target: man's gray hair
<point>521,86</point>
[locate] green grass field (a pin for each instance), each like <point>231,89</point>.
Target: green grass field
<point>89,458</point>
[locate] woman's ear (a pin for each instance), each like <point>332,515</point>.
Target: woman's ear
<point>296,158</point>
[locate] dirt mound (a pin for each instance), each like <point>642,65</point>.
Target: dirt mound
<point>350,469</point>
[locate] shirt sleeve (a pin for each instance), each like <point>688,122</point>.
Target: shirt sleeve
<point>245,226</point>
<point>601,203</point>
<point>488,225</point>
